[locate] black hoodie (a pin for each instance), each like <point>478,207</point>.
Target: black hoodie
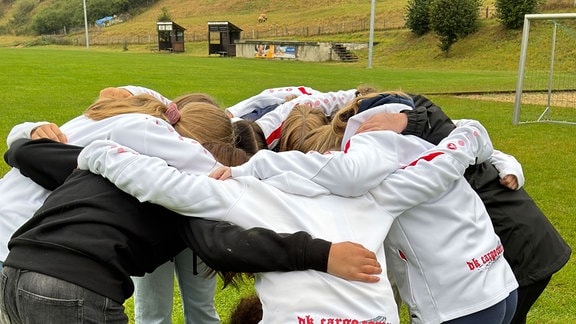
<point>90,233</point>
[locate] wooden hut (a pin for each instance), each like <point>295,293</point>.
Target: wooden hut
<point>222,38</point>
<point>170,36</point>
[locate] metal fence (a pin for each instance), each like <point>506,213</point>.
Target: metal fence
<point>272,31</point>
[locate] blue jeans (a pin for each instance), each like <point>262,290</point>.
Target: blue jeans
<point>31,297</point>
<point>500,313</point>
<point>154,293</point>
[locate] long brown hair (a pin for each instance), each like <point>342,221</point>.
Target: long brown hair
<point>195,97</point>
<point>307,129</point>
<point>204,122</point>
<point>249,136</point>
<point>108,107</point>
<point>226,153</point>
<point>201,121</point>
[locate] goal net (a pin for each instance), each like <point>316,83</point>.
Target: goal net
<point>546,85</point>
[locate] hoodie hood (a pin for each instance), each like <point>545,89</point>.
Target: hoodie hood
<point>355,121</point>
<point>383,99</point>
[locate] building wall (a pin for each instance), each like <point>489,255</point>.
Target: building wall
<point>302,51</point>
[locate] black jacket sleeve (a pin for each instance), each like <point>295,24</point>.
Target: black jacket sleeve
<point>228,247</point>
<point>223,246</point>
<point>46,162</point>
<point>427,121</point>
<point>9,155</point>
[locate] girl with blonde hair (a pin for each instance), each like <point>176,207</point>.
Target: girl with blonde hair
<point>196,116</point>
<point>303,128</point>
<point>195,97</point>
<point>306,129</point>
<point>132,108</point>
<point>201,121</point>
<point>272,122</point>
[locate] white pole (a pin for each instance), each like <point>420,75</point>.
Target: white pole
<point>520,80</point>
<point>371,41</point>
<point>86,24</point>
<point>551,72</point>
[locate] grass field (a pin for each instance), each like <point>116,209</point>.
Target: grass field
<point>57,84</point>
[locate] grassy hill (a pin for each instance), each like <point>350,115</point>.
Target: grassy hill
<point>193,14</point>
<point>492,48</point>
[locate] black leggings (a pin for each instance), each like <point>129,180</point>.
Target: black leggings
<point>527,296</point>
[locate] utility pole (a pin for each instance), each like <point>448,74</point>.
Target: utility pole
<point>86,25</point>
<point>371,41</point>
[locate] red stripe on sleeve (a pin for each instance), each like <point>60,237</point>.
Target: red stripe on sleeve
<point>346,147</point>
<point>274,135</point>
<point>303,90</point>
<point>428,157</point>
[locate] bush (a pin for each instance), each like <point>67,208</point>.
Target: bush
<point>511,12</point>
<point>417,16</point>
<point>453,19</point>
<point>53,20</point>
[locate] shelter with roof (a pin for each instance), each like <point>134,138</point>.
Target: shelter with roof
<point>222,38</point>
<point>170,36</point>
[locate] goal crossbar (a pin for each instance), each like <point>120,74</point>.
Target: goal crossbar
<point>523,53</point>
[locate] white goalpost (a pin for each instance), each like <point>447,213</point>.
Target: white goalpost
<point>547,82</point>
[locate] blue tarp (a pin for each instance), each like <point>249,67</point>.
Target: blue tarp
<point>100,22</point>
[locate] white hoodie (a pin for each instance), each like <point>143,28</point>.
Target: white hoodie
<point>443,253</point>
<point>268,97</point>
<point>21,196</point>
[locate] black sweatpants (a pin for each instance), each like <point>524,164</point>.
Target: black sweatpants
<point>527,296</point>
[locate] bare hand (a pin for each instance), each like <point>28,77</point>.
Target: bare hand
<point>222,173</point>
<point>351,261</point>
<point>510,181</point>
<point>114,93</point>
<point>396,122</point>
<point>50,131</point>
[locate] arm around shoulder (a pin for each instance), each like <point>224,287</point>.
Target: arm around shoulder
<point>228,247</point>
<point>23,131</point>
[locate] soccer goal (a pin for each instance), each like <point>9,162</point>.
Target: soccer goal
<point>546,85</point>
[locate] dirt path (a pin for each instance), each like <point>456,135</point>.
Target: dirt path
<point>562,99</point>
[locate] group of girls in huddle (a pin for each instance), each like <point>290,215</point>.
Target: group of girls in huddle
<point>388,171</point>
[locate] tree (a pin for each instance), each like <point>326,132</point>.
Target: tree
<point>452,20</point>
<point>165,15</point>
<point>52,20</point>
<point>417,16</point>
<point>511,12</point>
